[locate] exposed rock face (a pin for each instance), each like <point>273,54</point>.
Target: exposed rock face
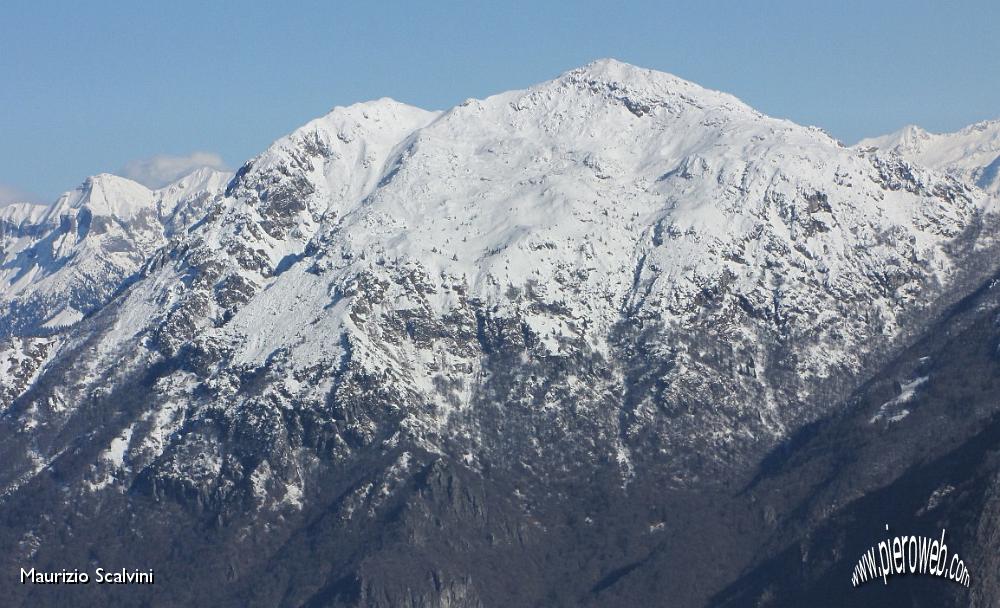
<point>521,352</point>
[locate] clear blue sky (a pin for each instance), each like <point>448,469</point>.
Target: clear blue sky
<point>87,87</point>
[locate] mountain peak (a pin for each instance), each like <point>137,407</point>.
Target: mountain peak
<point>910,137</point>
<point>913,133</point>
<point>646,88</point>
<point>109,183</point>
<point>381,104</point>
<point>346,124</point>
<point>106,194</point>
<point>202,182</point>
<point>614,71</point>
<point>372,112</point>
<point>971,154</point>
<point>983,126</point>
<point>200,178</point>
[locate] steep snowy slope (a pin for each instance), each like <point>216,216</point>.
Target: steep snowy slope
<point>616,276</point>
<point>971,155</point>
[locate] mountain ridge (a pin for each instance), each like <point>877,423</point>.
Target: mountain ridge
<point>615,284</point>
<point>69,257</point>
<point>971,154</point>
<point>283,204</point>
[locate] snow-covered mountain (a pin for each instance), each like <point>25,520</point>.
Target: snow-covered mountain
<point>61,262</point>
<point>971,154</point>
<point>65,260</point>
<point>616,275</point>
<point>611,212</point>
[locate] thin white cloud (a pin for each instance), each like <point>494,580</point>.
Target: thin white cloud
<point>162,169</point>
<point>10,194</point>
